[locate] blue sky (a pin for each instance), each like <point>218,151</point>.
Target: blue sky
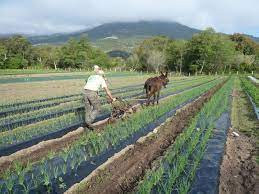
<point>54,16</point>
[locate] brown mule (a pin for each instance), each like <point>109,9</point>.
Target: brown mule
<point>153,86</point>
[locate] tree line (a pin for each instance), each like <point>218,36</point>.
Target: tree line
<point>206,52</point>
<point>17,52</point>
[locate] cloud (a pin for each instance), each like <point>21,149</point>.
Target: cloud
<point>52,16</point>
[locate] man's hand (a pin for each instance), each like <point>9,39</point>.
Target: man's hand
<point>114,99</point>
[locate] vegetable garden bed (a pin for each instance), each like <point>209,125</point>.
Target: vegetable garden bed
<point>34,135</point>
<point>252,92</point>
<point>21,107</point>
<point>94,143</point>
<point>122,174</point>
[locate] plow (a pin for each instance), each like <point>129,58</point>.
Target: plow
<point>121,109</point>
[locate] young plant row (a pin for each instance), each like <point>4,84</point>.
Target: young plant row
<point>17,120</point>
<point>44,104</point>
<point>36,106</point>
<point>26,107</point>
<point>251,89</point>
<point>52,168</point>
<point>175,171</point>
<point>29,132</point>
<point>48,101</point>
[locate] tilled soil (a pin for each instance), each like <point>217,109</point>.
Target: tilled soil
<point>238,169</point>
<point>124,172</point>
<point>40,150</point>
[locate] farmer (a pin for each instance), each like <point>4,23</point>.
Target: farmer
<point>92,102</point>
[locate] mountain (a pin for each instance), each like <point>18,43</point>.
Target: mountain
<point>256,39</point>
<point>122,35</point>
<point>123,30</point>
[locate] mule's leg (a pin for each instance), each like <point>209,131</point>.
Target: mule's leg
<point>148,99</point>
<point>157,97</point>
<point>154,99</point>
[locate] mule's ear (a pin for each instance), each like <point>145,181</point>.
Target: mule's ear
<point>166,73</point>
<point>161,73</point>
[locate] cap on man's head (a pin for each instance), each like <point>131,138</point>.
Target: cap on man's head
<point>96,67</point>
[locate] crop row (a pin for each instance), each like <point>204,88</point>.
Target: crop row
<point>175,171</point>
<point>52,168</point>
<point>48,101</point>
<point>42,103</point>
<point>18,120</point>
<point>63,77</point>
<point>251,89</point>
<point>32,131</point>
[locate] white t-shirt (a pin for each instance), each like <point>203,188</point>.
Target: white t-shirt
<point>95,82</point>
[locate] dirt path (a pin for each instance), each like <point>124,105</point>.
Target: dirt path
<point>123,173</point>
<point>239,170</point>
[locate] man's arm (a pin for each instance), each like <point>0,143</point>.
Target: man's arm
<point>108,92</point>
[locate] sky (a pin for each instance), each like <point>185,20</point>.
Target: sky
<point>56,16</point>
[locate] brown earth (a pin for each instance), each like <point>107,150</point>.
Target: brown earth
<point>40,150</point>
<point>238,169</point>
<point>124,172</point>
<point>20,92</point>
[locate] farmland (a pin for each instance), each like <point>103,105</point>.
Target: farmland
<point>177,146</point>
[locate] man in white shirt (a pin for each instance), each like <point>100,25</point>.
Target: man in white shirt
<point>92,102</point>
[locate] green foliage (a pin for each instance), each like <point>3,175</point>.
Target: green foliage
<point>252,90</point>
<point>178,165</point>
<point>206,52</point>
<point>244,44</point>
<point>93,143</point>
<point>17,52</point>
<point>150,55</point>
<point>175,52</point>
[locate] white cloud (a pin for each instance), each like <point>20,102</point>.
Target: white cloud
<point>51,16</point>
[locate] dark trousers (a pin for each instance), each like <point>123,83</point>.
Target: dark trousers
<point>92,105</point>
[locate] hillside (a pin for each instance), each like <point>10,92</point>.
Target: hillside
<point>123,30</point>
<point>123,35</point>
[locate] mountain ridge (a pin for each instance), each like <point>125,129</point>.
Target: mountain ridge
<point>123,30</point>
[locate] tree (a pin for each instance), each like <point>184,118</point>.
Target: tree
<point>200,50</point>
<point>3,56</point>
<point>244,44</point>
<point>156,60</point>
<point>175,53</point>
<point>143,53</point>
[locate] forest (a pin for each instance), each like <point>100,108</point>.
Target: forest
<point>207,52</point>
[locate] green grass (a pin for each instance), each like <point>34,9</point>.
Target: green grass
<point>93,143</point>
<point>122,43</point>
<point>170,174</point>
<point>243,117</point>
<point>35,71</point>
<point>39,128</point>
<point>251,89</point>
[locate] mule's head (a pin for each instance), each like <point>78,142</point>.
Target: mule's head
<point>164,78</point>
